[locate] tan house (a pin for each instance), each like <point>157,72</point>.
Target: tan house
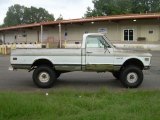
<point>134,28</point>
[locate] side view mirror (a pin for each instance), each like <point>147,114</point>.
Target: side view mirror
<point>107,46</point>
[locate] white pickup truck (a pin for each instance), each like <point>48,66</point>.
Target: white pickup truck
<point>96,54</point>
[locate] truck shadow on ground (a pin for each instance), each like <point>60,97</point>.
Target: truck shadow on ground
<point>88,84</point>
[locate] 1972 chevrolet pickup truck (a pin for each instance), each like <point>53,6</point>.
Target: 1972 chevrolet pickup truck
<point>96,54</point>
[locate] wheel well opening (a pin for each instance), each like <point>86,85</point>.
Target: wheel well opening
<point>134,62</point>
<point>42,62</point>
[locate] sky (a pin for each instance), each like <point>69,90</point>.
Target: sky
<point>69,9</point>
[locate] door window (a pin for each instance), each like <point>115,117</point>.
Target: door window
<point>96,42</point>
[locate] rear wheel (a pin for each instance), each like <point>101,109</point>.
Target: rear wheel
<point>44,76</point>
<point>131,77</point>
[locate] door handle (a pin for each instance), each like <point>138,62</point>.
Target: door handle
<point>89,52</point>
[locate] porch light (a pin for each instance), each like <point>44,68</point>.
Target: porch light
<point>92,22</point>
<point>134,20</point>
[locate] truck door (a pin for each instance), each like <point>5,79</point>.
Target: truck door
<point>98,57</point>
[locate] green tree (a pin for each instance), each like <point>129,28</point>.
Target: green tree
<point>36,15</point>
<point>91,13</point>
<point>145,6</point>
<point>124,6</point>
<point>115,7</point>
<point>109,7</point>
<point>60,18</point>
<point>14,15</point>
<point>18,14</point>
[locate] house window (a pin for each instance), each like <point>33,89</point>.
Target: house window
<point>150,31</point>
<point>128,35</point>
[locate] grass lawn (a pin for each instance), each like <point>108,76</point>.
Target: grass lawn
<point>79,105</point>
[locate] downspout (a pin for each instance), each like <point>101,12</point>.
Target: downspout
<point>118,34</point>
<point>41,34</point>
<point>60,37</point>
<point>4,38</point>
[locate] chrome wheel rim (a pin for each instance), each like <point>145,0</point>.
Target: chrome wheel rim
<point>44,77</point>
<point>132,77</point>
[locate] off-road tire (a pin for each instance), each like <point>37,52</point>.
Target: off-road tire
<point>48,74</point>
<point>131,77</point>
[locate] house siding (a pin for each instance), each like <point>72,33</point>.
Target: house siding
<point>148,29</point>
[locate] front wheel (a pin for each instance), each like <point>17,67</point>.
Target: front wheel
<point>131,77</point>
<point>44,76</point>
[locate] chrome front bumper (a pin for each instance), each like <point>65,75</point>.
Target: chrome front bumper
<point>147,67</point>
